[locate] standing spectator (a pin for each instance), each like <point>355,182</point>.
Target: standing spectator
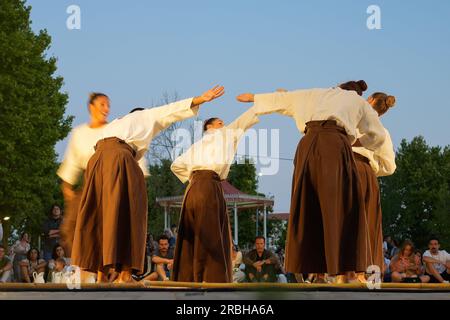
<point>437,262</point>
<point>32,264</point>
<point>50,231</point>
<point>19,252</point>
<point>163,258</point>
<point>5,266</point>
<point>406,265</point>
<point>236,257</point>
<point>261,265</point>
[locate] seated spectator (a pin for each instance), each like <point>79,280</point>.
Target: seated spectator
<point>394,249</point>
<point>32,264</point>
<point>5,266</point>
<point>261,265</point>
<point>163,258</point>
<point>172,240</point>
<point>437,262</point>
<point>406,266</point>
<point>59,270</point>
<point>18,253</point>
<point>57,253</point>
<point>236,257</point>
<point>386,270</point>
<point>147,274</point>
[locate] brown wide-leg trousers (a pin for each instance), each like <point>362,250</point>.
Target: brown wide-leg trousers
<point>372,204</point>
<point>111,224</point>
<point>203,248</point>
<point>324,231</point>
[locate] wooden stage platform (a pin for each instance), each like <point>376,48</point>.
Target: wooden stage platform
<point>155,290</point>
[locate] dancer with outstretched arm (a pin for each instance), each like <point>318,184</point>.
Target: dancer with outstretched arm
<point>324,234</point>
<point>79,150</point>
<point>111,225</point>
<point>203,249</point>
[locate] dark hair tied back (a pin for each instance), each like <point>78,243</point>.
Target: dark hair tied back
<point>359,86</point>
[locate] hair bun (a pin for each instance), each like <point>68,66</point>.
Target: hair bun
<point>362,84</point>
<point>390,101</point>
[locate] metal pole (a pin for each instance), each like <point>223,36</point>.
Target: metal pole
<point>236,225</point>
<point>165,217</point>
<point>256,219</point>
<point>265,224</point>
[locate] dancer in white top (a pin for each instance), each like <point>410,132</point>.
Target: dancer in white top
<point>327,202</point>
<point>78,152</point>
<point>203,249</point>
<point>111,223</point>
<point>372,164</point>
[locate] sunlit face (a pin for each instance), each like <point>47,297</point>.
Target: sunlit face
<point>433,245</point>
<point>216,124</point>
<point>259,245</point>
<point>60,252</point>
<point>99,110</point>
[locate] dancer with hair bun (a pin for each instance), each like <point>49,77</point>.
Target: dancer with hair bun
<point>203,249</point>
<point>327,204</point>
<point>372,164</point>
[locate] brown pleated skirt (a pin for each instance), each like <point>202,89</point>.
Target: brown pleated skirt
<point>203,248</point>
<point>111,225</point>
<point>372,203</point>
<point>324,233</point>
<point>67,227</point>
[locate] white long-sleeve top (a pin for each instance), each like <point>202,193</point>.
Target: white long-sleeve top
<point>80,149</point>
<point>382,159</point>
<point>347,108</point>
<point>216,150</point>
<point>137,129</point>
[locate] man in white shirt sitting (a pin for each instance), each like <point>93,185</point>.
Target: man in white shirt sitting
<point>437,262</point>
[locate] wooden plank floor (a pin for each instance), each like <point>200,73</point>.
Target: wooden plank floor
<point>154,290</point>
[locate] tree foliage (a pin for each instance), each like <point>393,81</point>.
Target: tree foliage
<point>31,118</point>
<point>416,199</point>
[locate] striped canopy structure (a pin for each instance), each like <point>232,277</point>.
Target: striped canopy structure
<point>235,198</point>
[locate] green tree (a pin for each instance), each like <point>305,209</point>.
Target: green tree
<point>31,119</point>
<point>161,183</point>
<point>416,199</point>
<point>243,176</point>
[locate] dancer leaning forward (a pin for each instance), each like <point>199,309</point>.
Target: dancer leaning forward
<point>324,233</point>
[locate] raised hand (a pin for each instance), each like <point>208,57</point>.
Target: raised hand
<point>213,93</point>
<point>209,95</point>
<point>246,97</point>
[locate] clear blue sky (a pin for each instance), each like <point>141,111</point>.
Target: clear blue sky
<point>136,50</point>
